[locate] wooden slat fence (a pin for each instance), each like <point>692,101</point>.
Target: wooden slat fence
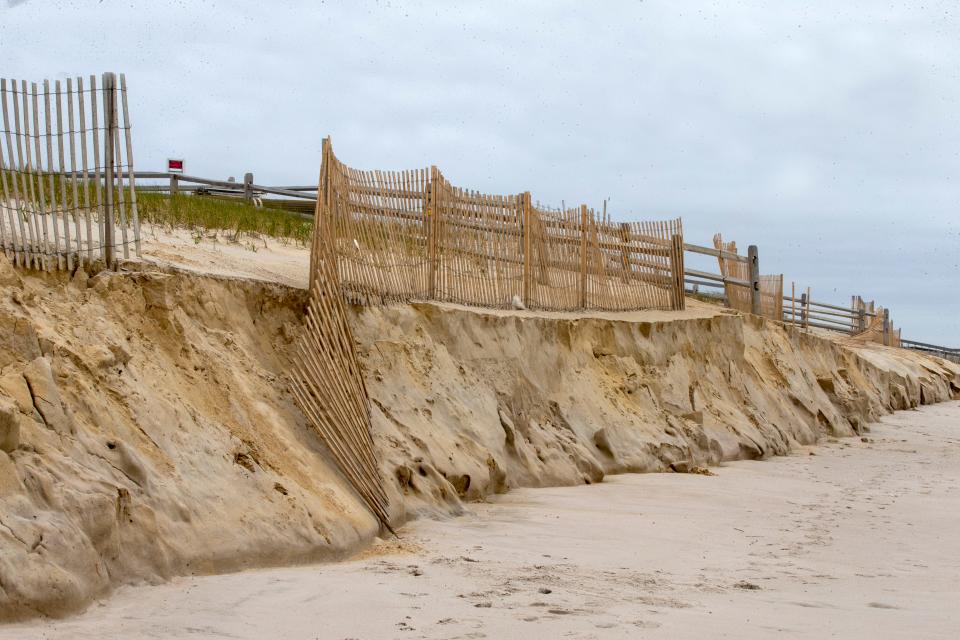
<point>405,235</point>
<point>771,286</point>
<point>65,148</point>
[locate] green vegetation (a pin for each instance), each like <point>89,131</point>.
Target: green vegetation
<point>201,213</point>
<point>208,213</point>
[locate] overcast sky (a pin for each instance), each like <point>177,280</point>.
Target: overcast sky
<point>827,133</point>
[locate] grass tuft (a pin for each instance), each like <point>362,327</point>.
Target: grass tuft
<point>209,213</point>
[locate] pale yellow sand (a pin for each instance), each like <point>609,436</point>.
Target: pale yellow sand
<point>860,540</point>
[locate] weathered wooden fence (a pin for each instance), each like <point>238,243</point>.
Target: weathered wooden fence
<point>328,386</point>
<point>865,322</point>
<point>64,150</point>
<point>767,300</point>
<point>404,235</point>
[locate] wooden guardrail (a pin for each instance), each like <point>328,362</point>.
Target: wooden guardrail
<point>699,278</point>
<point>947,353</point>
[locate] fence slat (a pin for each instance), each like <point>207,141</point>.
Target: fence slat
<point>63,185</point>
<point>131,180</point>
<point>75,206</point>
<point>6,167</point>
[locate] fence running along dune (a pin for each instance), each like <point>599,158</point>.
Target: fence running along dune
<point>740,298</point>
<point>64,149</point>
<point>406,235</point>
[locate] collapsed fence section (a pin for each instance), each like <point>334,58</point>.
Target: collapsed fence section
<point>405,235</point>
<point>328,387</point>
<point>64,150</point>
<point>864,322</point>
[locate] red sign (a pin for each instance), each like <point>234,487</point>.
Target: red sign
<point>174,166</point>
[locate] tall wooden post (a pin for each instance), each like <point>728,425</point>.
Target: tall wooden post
<point>174,185</point>
<point>853,315</point>
<point>583,256</point>
<point>248,187</point>
<point>886,327</point>
<point>433,228</point>
<point>109,120</point>
<point>321,211</point>
<point>676,272</point>
<point>755,306</point>
<point>526,206</point>
<point>806,309</point>
<point>793,303</point>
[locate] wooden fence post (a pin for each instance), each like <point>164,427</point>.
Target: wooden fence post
<point>321,210</point>
<point>676,272</point>
<point>583,256</point>
<point>793,303</point>
<point>248,187</point>
<point>525,201</point>
<point>432,228</point>
<point>174,185</point>
<point>755,307</point>
<point>886,327</point>
<point>806,309</point>
<point>109,120</point>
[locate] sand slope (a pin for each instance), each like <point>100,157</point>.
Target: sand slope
<point>857,541</point>
<point>147,430</point>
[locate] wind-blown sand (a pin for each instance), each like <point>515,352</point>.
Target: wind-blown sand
<point>852,539</point>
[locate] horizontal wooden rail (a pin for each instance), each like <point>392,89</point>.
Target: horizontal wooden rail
<point>704,283</point>
<point>813,303</point>
<point>913,344</point>
<point>821,315</point>
<point>717,253</point>
<point>847,316</point>
<point>240,187</point>
<point>706,275</point>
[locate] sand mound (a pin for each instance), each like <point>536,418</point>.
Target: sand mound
<point>147,428</point>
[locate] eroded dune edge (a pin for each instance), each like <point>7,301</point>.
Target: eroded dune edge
<point>147,429</point>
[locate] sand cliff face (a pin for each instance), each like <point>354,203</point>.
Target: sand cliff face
<point>147,429</point>
<point>467,403</point>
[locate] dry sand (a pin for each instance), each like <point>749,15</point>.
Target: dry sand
<point>857,541</point>
<point>216,253</point>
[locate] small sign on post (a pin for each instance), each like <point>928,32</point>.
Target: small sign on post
<point>174,165</point>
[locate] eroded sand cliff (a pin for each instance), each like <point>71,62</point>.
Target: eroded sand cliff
<point>147,429</point>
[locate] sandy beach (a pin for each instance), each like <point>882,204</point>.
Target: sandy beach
<point>851,539</point>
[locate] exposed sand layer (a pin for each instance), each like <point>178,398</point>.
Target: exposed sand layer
<point>218,252</point>
<point>147,428</point>
<point>856,541</point>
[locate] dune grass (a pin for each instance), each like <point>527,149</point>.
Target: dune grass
<point>202,213</point>
<point>207,213</point>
